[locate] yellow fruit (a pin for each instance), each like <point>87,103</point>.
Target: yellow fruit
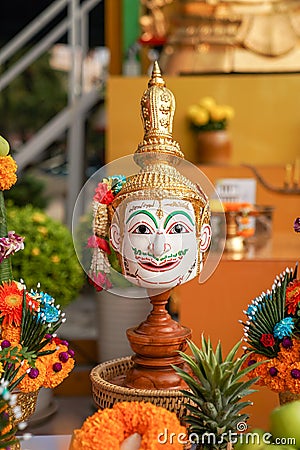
<point>4,146</point>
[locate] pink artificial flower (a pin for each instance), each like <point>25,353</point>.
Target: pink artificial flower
<point>10,245</point>
<point>103,194</point>
<point>100,192</point>
<point>96,242</point>
<point>100,281</point>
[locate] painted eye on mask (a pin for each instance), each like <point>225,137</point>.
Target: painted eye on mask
<point>142,229</point>
<point>179,228</point>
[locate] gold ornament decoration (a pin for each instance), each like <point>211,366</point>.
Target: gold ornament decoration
<point>172,193</point>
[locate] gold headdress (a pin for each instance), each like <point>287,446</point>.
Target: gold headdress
<point>157,155</point>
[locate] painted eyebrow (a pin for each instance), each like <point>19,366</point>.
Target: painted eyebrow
<point>143,211</point>
<point>174,214</point>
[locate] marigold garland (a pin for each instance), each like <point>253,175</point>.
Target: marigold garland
<point>276,373</point>
<point>53,362</point>
<point>29,384</point>
<point>10,332</point>
<point>107,429</point>
<point>8,169</point>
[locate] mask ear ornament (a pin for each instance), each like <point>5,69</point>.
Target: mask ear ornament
<point>205,238</point>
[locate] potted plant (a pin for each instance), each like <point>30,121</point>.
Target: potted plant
<point>48,251</point>
<point>210,122</point>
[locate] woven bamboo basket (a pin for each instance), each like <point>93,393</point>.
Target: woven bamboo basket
<point>27,403</point>
<point>106,394</point>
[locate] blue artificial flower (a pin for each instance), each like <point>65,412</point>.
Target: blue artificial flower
<point>251,311</point>
<point>284,328</point>
<point>117,183</point>
<point>46,299</point>
<point>49,313</point>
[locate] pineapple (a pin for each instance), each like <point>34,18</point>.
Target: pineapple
<point>216,388</point>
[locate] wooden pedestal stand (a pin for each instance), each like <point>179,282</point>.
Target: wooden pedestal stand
<point>156,342</point>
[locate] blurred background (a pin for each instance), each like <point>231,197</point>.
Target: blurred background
<point>71,77</point>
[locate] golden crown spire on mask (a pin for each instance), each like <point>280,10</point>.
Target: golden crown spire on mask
<point>157,111</point>
<point>158,154</point>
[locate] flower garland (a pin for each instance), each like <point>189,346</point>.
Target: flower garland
<point>107,429</point>
<point>103,254</point>
<point>272,334</point>
<point>281,373</point>
<point>8,169</point>
<point>10,243</point>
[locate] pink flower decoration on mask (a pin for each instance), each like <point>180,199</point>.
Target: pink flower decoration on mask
<point>100,281</point>
<point>96,242</point>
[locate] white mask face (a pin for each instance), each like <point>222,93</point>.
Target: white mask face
<point>159,248</point>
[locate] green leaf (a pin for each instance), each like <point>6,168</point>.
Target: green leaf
<point>219,352</point>
<point>231,355</point>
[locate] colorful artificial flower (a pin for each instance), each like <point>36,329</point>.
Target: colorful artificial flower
<point>28,320</point>
<point>103,257</point>
<point>11,299</point>
<point>106,191</point>
<point>10,245</point>
<point>117,182</point>
<point>107,429</point>
<point>96,242</point>
<point>272,334</point>
<point>284,328</point>
<point>293,296</point>
<point>8,169</point>
<point>33,357</point>
<point>267,340</point>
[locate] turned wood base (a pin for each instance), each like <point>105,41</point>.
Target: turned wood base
<point>156,343</point>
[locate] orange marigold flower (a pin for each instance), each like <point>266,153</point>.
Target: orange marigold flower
<point>293,378</point>
<point>274,376</point>
<point>57,370</point>
<point>29,384</point>
<point>108,428</point>
<point>289,355</point>
<point>8,169</point>
<point>11,332</point>
<point>257,371</point>
<point>292,297</point>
